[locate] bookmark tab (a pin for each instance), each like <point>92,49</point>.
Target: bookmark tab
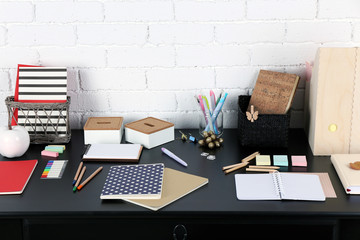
<point>298,161</point>
<point>263,160</point>
<point>281,160</point>
<point>54,169</point>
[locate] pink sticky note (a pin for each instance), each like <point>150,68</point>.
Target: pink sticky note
<point>49,154</point>
<point>299,161</point>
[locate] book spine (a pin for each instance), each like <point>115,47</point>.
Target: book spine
<point>341,175</point>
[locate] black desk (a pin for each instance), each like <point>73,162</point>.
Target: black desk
<point>49,209</point>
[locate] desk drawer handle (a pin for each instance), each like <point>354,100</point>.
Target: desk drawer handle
<point>183,231</point>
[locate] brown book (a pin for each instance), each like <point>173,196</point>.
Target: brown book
<point>274,92</point>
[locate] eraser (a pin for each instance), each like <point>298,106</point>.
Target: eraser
<point>49,153</point>
<point>263,160</point>
<point>299,161</point>
<point>62,146</point>
<point>281,160</point>
<point>54,149</point>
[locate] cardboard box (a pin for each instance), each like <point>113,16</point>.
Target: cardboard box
<point>149,132</point>
<point>333,94</point>
<point>103,130</point>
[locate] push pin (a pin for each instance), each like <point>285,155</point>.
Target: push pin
<point>183,136</point>
<point>192,138</point>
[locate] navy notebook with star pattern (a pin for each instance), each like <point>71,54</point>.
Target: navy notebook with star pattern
<point>143,181</point>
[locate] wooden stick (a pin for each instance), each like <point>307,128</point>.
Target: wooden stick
<point>264,167</point>
<point>247,159</point>
<point>260,170</point>
<point>236,168</point>
<point>250,157</point>
<point>89,178</point>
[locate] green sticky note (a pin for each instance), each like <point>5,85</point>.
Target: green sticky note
<point>281,160</point>
<point>54,149</point>
<point>263,160</point>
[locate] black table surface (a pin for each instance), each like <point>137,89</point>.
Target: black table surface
<point>54,197</point>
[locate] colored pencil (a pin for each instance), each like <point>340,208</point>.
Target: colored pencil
<point>77,173</point>
<point>89,178</point>
<point>79,179</point>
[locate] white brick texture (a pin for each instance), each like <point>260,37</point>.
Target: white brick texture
<point>139,58</point>
<point>209,10</point>
<point>68,12</point>
<point>181,33</point>
<point>281,9</point>
<point>339,9</point>
<point>16,12</point>
<point>125,34</point>
<point>37,35</point>
<point>250,33</point>
<point>180,79</point>
<point>212,55</point>
<point>319,32</point>
<point>138,11</point>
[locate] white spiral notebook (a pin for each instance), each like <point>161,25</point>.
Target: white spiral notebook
<point>279,186</point>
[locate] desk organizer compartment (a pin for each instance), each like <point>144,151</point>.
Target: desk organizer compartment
<point>269,130</point>
<point>45,122</point>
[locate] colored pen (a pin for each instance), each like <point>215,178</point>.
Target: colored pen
<point>77,173</point>
<point>79,179</point>
<point>208,115</point>
<point>89,178</point>
<point>173,156</point>
<point>212,100</point>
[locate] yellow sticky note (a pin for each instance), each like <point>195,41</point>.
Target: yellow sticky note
<point>263,160</point>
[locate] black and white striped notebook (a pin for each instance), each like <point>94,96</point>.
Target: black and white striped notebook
<point>42,84</point>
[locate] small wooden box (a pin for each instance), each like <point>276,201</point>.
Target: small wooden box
<point>103,130</point>
<point>333,113</point>
<point>149,132</point>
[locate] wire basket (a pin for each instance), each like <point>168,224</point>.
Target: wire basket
<point>45,122</point>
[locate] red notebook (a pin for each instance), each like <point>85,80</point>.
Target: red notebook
<point>14,175</point>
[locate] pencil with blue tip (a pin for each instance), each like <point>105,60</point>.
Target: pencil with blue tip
<point>77,173</point>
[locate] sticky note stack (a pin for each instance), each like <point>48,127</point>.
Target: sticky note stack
<point>53,150</point>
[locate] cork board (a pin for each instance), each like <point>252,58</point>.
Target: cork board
<point>103,123</point>
<point>274,92</point>
<point>149,125</point>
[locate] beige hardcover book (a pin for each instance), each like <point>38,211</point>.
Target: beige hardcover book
<point>334,97</point>
<point>176,184</point>
<point>274,92</point>
<point>348,176</point>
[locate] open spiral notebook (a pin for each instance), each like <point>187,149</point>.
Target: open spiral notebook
<point>279,186</point>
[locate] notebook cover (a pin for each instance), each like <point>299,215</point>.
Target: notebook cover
<point>14,175</point>
<point>113,152</point>
<point>274,92</point>
<point>176,185</point>
<point>41,84</point>
<point>142,181</point>
<point>348,176</point>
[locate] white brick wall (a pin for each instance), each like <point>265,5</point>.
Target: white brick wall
<point>136,58</point>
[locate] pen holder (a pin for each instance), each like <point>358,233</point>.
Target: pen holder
<point>205,125</point>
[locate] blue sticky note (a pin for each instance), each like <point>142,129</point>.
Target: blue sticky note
<point>281,160</point>
<point>263,160</point>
